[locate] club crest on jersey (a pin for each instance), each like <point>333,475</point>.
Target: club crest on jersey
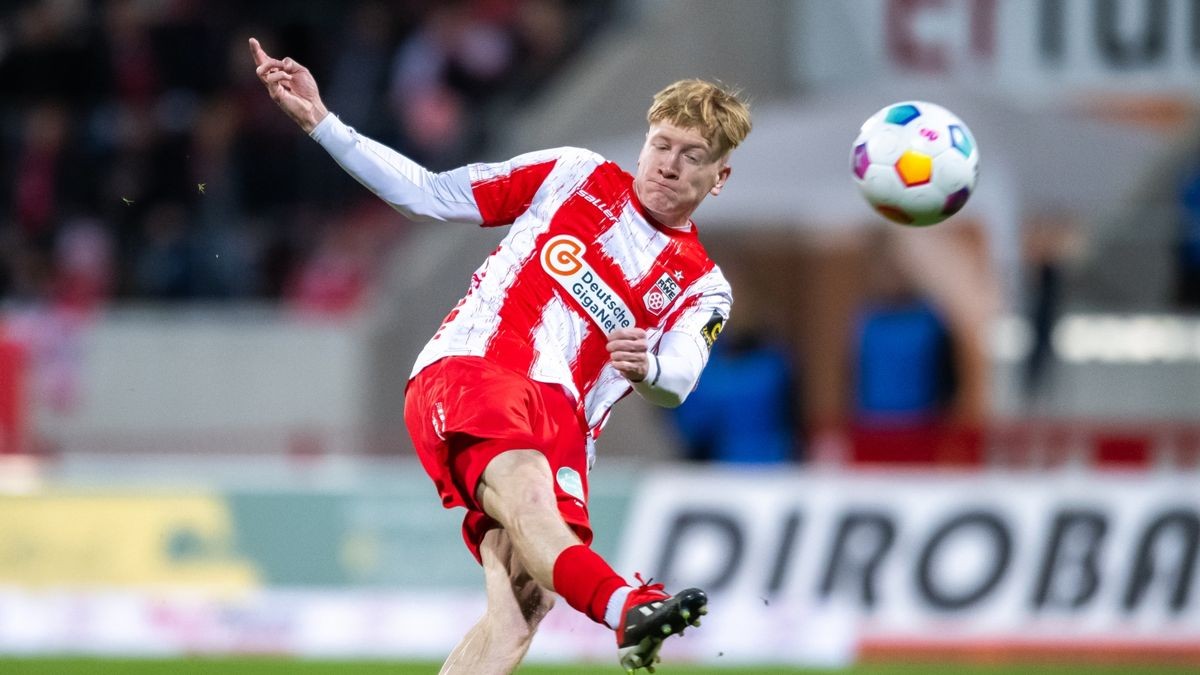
<point>662,293</point>
<point>562,258</point>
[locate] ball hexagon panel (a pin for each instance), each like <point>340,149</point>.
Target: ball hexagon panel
<point>951,172</point>
<point>881,185</point>
<point>923,204</point>
<point>885,146</point>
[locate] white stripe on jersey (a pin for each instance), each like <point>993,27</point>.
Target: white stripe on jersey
<point>633,244</point>
<point>560,332</point>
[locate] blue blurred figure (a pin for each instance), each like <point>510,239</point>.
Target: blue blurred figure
<point>743,410</point>
<point>905,364</point>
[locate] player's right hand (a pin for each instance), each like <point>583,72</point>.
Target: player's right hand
<point>291,86</point>
<point>629,353</point>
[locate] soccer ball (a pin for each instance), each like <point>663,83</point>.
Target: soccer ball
<point>915,162</point>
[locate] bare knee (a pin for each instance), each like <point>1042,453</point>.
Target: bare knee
<point>516,632</point>
<point>517,482</point>
<point>535,604</point>
<point>517,603</point>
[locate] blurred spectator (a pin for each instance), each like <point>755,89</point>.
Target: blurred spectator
<point>451,66</point>
<point>163,266</point>
<point>129,116</point>
<point>360,69</point>
<point>37,188</point>
<point>918,353</point>
<point>335,281</point>
<point>49,324</point>
<point>1050,242</point>
<point>742,412</point>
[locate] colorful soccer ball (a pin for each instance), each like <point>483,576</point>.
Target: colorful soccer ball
<point>915,162</point>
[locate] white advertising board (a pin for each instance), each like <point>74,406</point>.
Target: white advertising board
<point>929,558</point>
<point>806,568</point>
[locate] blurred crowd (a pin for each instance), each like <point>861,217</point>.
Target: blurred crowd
<point>140,158</point>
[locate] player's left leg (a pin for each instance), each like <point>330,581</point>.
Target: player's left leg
<point>516,604</point>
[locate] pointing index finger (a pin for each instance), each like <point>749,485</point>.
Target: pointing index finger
<point>256,51</point>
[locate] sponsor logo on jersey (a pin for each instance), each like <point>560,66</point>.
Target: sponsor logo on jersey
<point>712,329</point>
<point>562,258</point>
<point>663,293</point>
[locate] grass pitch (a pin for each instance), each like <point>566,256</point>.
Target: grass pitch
<point>271,666</point>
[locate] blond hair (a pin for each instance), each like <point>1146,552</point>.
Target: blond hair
<point>719,114</point>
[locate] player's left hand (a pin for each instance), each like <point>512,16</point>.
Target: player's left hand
<point>629,353</point>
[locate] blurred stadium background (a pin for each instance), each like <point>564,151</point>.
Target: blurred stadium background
<point>976,443</point>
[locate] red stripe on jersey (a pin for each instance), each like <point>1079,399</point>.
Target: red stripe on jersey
<point>524,302</point>
<point>503,198</point>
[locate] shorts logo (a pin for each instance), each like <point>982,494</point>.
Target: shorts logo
<point>438,419</point>
<point>569,482</point>
<point>663,293</point>
<point>562,258</point>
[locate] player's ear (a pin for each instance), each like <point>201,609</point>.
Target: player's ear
<point>722,178</point>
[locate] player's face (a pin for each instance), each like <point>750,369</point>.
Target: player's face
<point>676,171</point>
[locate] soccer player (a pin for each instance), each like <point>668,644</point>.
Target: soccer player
<point>600,286</point>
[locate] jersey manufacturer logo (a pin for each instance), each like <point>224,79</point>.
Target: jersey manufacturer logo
<point>662,293</point>
<point>599,204</point>
<point>562,258</point>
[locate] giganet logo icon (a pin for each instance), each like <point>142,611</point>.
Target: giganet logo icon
<point>563,255</point>
<point>562,258</point>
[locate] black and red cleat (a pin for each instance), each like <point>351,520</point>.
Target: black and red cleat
<point>651,616</point>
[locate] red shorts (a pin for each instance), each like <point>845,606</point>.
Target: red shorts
<point>463,411</point>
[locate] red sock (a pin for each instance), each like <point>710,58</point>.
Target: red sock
<point>585,581</point>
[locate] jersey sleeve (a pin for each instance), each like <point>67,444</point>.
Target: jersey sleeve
<point>505,190</point>
<point>681,354</point>
<point>405,185</point>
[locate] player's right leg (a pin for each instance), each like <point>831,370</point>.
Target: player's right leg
<point>516,489</point>
<point>516,604</point>
<point>460,411</point>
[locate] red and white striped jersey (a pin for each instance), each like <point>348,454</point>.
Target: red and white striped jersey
<point>582,258</point>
